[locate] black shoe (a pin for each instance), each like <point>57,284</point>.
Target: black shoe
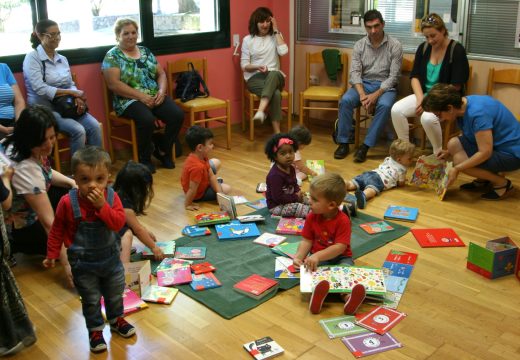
<point>361,154</point>
<point>341,152</point>
<point>167,162</point>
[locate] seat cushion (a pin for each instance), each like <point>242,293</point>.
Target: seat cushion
<point>323,93</point>
<point>202,103</point>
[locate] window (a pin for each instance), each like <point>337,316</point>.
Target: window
<point>166,27</point>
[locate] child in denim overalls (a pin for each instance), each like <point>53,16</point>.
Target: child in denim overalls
<point>88,226</point>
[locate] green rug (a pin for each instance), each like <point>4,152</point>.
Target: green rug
<point>236,260</point>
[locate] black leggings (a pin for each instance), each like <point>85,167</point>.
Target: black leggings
<point>144,118</point>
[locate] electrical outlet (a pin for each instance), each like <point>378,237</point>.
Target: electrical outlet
<point>236,39</point>
<point>314,80</point>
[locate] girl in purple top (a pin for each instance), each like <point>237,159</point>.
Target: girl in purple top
<point>283,194</point>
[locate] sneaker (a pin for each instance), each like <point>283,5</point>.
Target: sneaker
<point>259,116</point>
<point>122,327</point>
<point>318,296</point>
<point>97,341</point>
<point>355,299</point>
<point>361,199</point>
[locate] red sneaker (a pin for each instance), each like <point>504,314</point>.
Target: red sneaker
<point>318,296</point>
<point>355,299</point>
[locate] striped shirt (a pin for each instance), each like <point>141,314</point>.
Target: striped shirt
<point>7,81</point>
<point>378,64</point>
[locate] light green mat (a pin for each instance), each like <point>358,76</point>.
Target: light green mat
<point>237,259</point>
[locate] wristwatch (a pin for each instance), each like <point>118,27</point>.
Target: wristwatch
<point>275,32</point>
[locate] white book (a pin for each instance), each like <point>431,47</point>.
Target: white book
<point>269,240</point>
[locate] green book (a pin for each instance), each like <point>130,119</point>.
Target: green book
<point>341,326</point>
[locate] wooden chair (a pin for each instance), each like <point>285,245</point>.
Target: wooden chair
<point>198,108</point>
<point>502,77</point>
<point>320,93</point>
<point>120,128</point>
<point>250,103</point>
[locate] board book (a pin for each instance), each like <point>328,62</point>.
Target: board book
<point>264,348</point>
<point>227,204</point>
<point>269,240</point>
<point>256,286</point>
<point>318,166</point>
<point>138,275</point>
<point>431,172</point>
<point>236,230</point>
<point>202,268</point>
<point>169,263</point>
<point>343,278</point>
<point>159,294</point>
<point>286,249</point>
<point>212,218</point>
<point>191,252</point>
<point>167,247</point>
<point>341,326</point>
<point>376,227</point>
<point>194,231</point>
<point>174,276</point>
<point>250,218</point>
<point>381,319</point>
<point>258,204</point>
<point>404,213</point>
<point>442,237</point>
<point>240,199</point>
<point>290,226</point>
<point>370,343</point>
<point>284,268</point>
<point>204,281</point>
<point>131,303</point>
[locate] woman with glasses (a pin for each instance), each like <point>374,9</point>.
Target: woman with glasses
<point>437,60</point>
<point>47,76</point>
<point>139,85</point>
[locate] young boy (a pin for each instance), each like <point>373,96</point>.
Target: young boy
<point>87,221</point>
<point>198,179</point>
<point>390,173</point>
<point>326,235</point>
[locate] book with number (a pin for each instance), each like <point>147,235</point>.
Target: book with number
<point>381,319</point>
<point>370,343</point>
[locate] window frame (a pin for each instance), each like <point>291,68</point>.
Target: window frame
<point>172,44</point>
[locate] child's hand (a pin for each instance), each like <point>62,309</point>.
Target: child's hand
<point>49,263</point>
<point>157,253</point>
<point>192,207</point>
<point>311,263</point>
<point>8,173</point>
<point>96,197</point>
<point>297,263</point>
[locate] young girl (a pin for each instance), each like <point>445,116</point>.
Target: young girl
<point>134,185</point>
<point>283,194</point>
<point>304,137</point>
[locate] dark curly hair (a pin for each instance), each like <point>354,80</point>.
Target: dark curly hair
<point>271,146</point>
<point>260,15</point>
<point>196,135</point>
<point>135,182</point>
<point>301,134</point>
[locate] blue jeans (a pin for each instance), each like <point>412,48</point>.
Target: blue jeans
<point>350,101</point>
<point>84,130</point>
<point>498,162</point>
<point>369,179</point>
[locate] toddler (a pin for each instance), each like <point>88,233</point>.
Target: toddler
<point>304,137</point>
<point>198,179</point>
<point>87,222</point>
<point>390,173</point>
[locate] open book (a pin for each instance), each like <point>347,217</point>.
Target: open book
<point>432,172</point>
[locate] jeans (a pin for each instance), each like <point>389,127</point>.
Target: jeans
<point>84,130</point>
<point>369,179</point>
<point>350,101</point>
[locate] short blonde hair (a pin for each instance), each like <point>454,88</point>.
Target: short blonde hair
<point>401,147</point>
<point>331,186</point>
<point>121,23</point>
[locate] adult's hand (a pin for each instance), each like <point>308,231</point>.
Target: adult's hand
<point>159,98</point>
<point>147,100</point>
<point>81,104</point>
<point>443,154</point>
<point>274,23</point>
<point>452,175</point>
<point>370,100</point>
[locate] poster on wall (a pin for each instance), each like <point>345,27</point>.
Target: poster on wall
<point>517,34</point>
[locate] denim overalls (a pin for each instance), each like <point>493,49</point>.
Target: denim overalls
<point>94,258</point>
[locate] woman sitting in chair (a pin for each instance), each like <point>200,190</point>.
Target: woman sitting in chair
<point>139,85</point>
<point>437,60</point>
<point>11,101</point>
<point>261,64</point>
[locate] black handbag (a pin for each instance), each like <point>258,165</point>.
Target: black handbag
<point>189,84</point>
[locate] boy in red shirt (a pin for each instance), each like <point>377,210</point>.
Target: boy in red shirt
<point>198,179</point>
<point>326,236</point>
<point>87,222</point>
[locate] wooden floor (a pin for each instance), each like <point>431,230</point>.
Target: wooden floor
<point>453,313</point>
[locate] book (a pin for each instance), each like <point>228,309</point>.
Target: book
<point>190,252</point>
<point>397,269</point>
<point>261,187</point>
<point>131,303</point>
<point>256,286</point>
<point>202,268</point>
<point>194,231</point>
<point>204,281</point>
<point>250,218</point>
<point>212,218</point>
<point>227,204</point>
<point>236,230</point>
<point>431,172</point>
<point>369,343</point>
<point>168,248</point>
<point>172,263</point>
<point>290,226</point>
<point>442,237</point>
<point>404,213</point>
<point>376,227</point>
<point>286,249</point>
<point>258,204</point>
<point>174,276</point>
<point>318,166</point>
<point>159,294</point>
<point>401,257</point>
<point>284,268</point>
<point>380,319</point>
<point>343,278</point>
<point>264,348</point>
<point>341,326</point>
<point>269,240</point>
<point>239,199</point>
<point>138,275</point>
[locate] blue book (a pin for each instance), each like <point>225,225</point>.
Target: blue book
<point>258,204</point>
<point>401,213</point>
<point>194,230</point>
<point>236,230</point>
<point>204,281</point>
<point>190,252</point>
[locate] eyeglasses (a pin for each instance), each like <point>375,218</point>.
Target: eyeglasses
<point>430,20</point>
<point>53,35</point>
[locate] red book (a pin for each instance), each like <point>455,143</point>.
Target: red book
<point>402,257</point>
<point>256,286</point>
<point>437,237</point>
<point>201,268</point>
<point>381,319</point>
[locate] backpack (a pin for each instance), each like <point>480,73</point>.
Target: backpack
<point>189,85</point>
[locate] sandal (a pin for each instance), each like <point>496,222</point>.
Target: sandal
<point>493,195</point>
<point>476,185</point>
